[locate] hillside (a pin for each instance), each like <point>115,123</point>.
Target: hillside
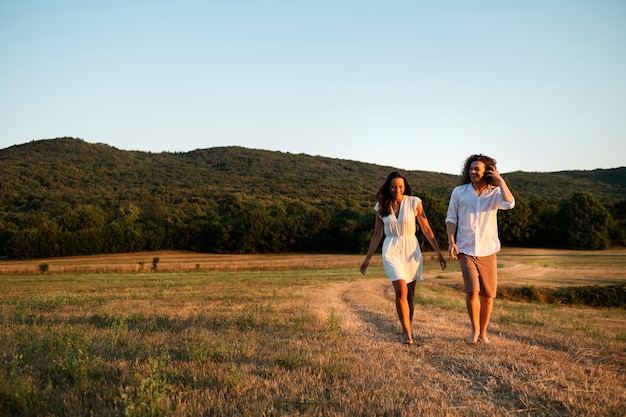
<point>604,184</point>
<point>65,197</point>
<point>69,171</point>
<point>64,172</point>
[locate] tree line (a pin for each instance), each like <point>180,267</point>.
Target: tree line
<point>64,196</point>
<point>234,224</point>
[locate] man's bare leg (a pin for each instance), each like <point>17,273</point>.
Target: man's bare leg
<point>486,306</point>
<point>473,310</point>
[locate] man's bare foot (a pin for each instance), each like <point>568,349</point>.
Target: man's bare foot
<point>471,340</point>
<point>484,340</point>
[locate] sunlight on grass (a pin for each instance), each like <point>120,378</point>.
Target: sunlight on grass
<point>293,342</point>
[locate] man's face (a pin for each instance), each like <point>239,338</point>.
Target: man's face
<point>477,171</point>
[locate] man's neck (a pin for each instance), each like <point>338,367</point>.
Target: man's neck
<point>479,186</point>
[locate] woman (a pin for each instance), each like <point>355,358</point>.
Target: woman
<point>396,211</point>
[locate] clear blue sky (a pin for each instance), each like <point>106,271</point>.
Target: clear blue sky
<point>540,85</point>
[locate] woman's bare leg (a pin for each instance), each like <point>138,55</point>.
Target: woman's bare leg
<point>403,309</point>
<point>411,299</point>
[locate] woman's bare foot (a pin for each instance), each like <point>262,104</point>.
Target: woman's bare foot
<point>471,340</point>
<point>484,340</point>
<point>408,340</point>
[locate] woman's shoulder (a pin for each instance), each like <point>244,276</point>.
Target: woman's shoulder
<point>415,200</point>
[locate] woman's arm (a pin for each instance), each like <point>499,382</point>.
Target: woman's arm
<point>374,242</point>
<point>430,235</point>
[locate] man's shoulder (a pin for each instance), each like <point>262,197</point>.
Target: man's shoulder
<point>461,187</point>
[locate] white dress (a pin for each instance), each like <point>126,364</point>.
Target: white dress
<point>402,257</point>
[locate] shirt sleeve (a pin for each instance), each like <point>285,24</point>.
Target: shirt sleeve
<point>505,205</point>
<point>416,203</point>
<point>452,214</point>
<point>502,204</point>
<point>377,210</point>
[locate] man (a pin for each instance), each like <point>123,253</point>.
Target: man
<point>472,228</point>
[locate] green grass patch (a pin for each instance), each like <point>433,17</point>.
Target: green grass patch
<point>593,296</point>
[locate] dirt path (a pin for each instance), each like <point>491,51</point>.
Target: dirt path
<point>528,369</point>
<point>366,311</point>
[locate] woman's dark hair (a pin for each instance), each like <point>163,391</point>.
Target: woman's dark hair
<point>488,161</point>
<point>384,197</point>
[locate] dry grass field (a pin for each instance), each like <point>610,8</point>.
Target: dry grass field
<point>301,335</point>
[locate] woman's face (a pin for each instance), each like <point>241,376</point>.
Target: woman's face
<point>397,188</point>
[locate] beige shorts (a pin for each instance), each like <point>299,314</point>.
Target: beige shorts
<point>480,273</point>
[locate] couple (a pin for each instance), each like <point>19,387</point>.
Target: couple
<point>472,230</point>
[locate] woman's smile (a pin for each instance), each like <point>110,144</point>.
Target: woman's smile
<point>397,188</point>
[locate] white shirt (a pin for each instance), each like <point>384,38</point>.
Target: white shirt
<point>475,217</point>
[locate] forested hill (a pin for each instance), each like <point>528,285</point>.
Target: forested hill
<point>605,184</point>
<point>73,171</point>
<point>65,196</point>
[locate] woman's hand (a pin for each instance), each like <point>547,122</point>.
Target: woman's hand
<point>442,261</point>
<point>364,266</point>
